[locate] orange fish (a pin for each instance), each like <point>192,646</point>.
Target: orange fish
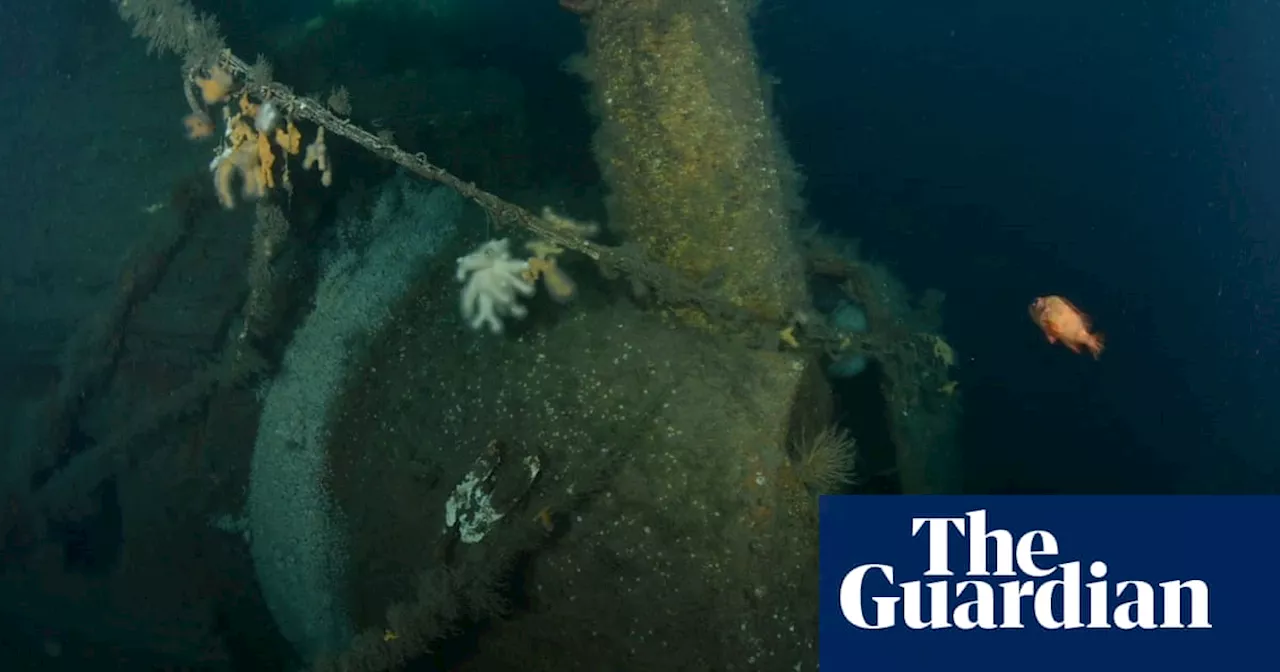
<point>1062,321</point>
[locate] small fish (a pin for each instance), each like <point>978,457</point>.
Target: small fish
<point>1062,321</point>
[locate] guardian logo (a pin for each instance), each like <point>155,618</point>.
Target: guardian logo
<point>1008,582</point>
<point>1051,583</point>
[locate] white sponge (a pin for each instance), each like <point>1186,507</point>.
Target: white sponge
<point>493,280</point>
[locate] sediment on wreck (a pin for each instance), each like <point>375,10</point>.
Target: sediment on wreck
<point>666,527</point>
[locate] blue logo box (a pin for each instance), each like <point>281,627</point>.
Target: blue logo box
<point>1049,582</point>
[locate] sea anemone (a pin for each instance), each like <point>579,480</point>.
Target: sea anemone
<point>826,461</point>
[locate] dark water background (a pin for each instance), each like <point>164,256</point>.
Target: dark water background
<point>1124,155</point>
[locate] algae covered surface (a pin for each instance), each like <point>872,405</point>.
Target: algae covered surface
<point>664,504</point>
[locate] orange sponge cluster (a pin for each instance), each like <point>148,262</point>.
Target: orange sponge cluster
<point>248,155</point>
<point>216,86</point>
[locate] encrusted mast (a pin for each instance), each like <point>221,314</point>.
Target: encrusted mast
<point>698,173</point>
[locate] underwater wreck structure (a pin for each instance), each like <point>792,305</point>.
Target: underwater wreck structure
<point>625,480</point>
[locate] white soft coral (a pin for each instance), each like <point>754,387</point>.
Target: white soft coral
<point>493,280</point>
